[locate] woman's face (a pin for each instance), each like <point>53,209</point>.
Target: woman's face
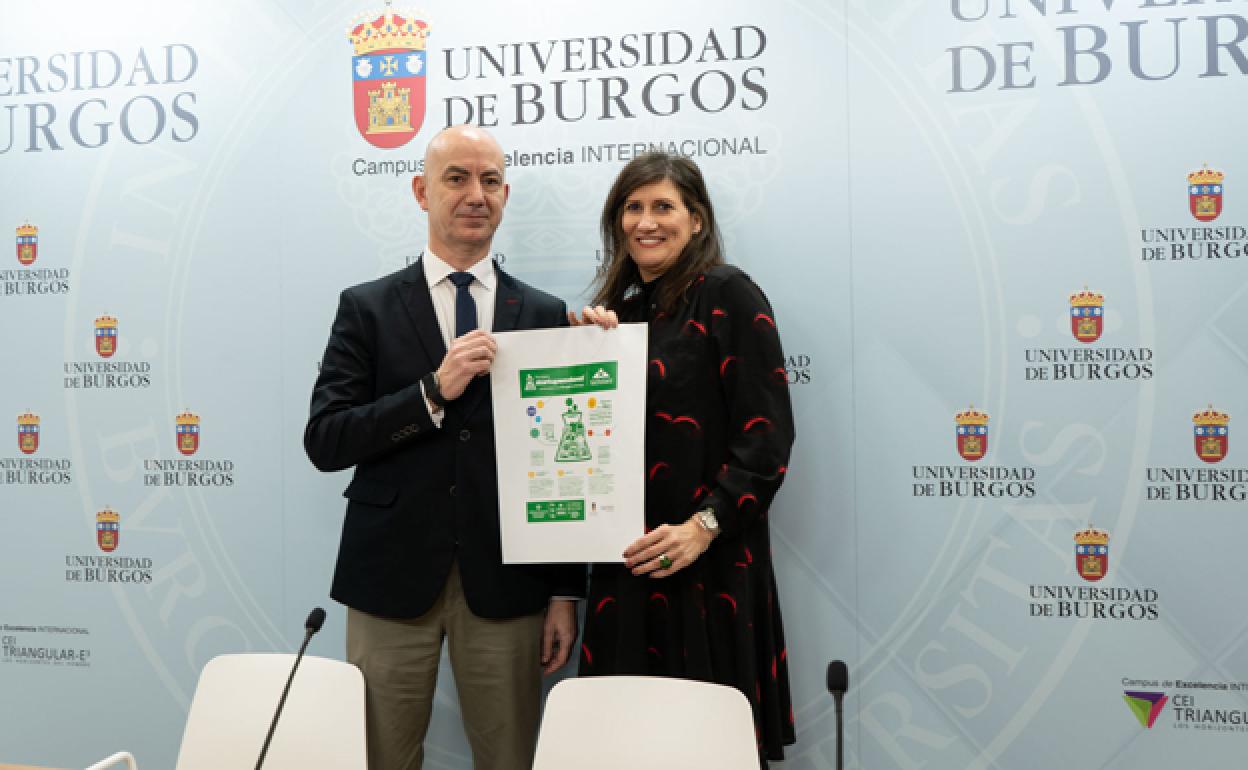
<point>657,226</point>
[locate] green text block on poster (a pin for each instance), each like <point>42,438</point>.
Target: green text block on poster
<point>556,510</point>
<point>563,380</point>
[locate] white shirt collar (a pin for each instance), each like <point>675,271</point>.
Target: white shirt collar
<point>436,270</point>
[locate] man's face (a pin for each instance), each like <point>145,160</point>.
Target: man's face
<point>464,192</point>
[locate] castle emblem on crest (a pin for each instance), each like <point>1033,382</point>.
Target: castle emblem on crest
<point>972,431</point>
<point>187,433</point>
<point>388,77</point>
<point>1092,553</point>
<point>108,530</point>
<point>28,433</point>
<point>1087,315</point>
<point>27,244</point>
<point>1204,193</point>
<point>106,336</point>
<point>1212,434</point>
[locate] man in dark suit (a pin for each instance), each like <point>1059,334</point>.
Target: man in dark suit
<point>403,395</point>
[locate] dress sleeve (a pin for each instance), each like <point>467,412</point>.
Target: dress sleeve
<point>760,428</point>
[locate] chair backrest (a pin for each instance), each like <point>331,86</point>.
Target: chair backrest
<point>322,724</point>
<point>618,722</point>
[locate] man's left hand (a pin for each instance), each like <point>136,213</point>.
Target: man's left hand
<point>558,634</point>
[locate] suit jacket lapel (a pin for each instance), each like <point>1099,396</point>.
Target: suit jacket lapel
<point>414,291</point>
<point>507,303</point>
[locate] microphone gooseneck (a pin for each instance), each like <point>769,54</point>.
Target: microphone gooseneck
<point>838,685</point>
<point>316,619</point>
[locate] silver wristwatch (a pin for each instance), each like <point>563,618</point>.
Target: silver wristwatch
<point>706,517</point>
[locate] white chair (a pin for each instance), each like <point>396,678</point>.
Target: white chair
<point>626,722</point>
<point>118,758</point>
<point>322,724</point>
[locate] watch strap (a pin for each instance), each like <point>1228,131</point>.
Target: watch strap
<point>432,392</point>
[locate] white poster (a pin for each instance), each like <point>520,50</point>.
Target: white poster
<point>569,426</point>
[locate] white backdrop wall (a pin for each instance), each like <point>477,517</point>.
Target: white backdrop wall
<point>920,187</point>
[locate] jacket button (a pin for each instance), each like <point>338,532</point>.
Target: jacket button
<point>452,490</point>
<point>465,434</point>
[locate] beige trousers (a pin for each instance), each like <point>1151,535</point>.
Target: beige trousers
<point>496,664</point>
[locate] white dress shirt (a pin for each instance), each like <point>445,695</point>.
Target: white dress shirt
<point>443,292</point>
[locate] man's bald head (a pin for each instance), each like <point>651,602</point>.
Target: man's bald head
<point>464,189</point>
<point>454,138</point>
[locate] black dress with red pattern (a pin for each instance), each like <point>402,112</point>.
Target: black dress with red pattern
<point>718,432</point>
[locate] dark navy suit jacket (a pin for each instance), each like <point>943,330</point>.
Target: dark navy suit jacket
<point>422,497</point>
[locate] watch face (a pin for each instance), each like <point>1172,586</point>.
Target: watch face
<point>709,520</point>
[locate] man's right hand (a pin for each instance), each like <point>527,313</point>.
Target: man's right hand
<point>469,356</point>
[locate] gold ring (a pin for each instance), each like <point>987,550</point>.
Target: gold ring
<point>664,562</point>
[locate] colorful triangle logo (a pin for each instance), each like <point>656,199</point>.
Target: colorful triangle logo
<point>1146,706</point>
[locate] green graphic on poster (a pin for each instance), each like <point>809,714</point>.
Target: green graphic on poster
<point>568,380</point>
<point>573,447</point>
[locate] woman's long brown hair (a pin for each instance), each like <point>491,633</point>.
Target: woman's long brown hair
<point>619,275</point>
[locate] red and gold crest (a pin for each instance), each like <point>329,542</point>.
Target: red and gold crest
<point>388,77</point>
<point>28,433</point>
<point>1087,315</point>
<point>188,433</point>
<point>1212,434</point>
<point>108,530</point>
<point>972,432</point>
<point>27,244</point>
<point>1092,553</point>
<point>106,336</point>
<point>1204,193</point>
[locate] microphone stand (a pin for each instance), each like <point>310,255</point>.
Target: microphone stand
<point>311,627</point>
<point>838,684</point>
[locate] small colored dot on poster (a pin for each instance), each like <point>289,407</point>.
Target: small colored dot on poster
<point>593,402</point>
<point>541,404</point>
<point>560,473</point>
<point>531,411</point>
<point>537,418</point>
<point>534,433</point>
<point>590,471</point>
<point>607,432</point>
<point>590,431</point>
<point>531,474</point>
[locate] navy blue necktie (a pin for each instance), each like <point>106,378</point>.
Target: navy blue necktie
<point>465,305</point>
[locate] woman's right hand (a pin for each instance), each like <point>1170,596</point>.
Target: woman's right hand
<point>598,316</point>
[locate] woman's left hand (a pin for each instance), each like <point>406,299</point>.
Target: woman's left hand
<point>682,544</point>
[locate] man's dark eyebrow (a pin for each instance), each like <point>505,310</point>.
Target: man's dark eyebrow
<point>465,172</point>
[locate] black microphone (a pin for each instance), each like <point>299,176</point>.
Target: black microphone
<point>316,619</point>
<point>838,684</point>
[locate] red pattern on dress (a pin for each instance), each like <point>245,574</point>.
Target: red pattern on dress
<point>686,419</point>
<point>755,421</point>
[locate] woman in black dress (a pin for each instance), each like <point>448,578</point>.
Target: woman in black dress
<point>696,596</point>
